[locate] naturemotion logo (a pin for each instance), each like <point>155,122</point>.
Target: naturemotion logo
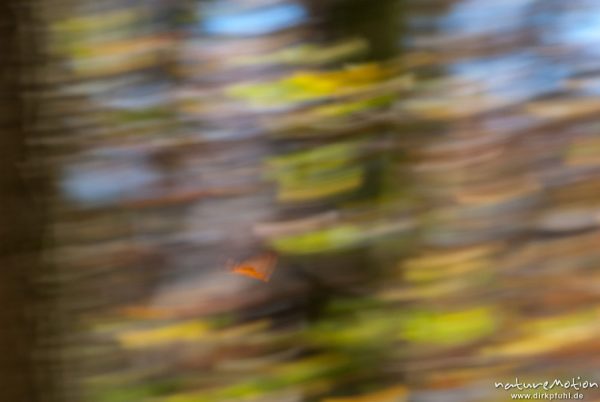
<point>575,384</point>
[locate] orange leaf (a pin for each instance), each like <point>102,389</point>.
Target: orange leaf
<point>260,267</point>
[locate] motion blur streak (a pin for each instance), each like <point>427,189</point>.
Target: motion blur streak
<point>300,200</point>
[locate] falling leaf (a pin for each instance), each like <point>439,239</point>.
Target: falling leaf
<point>260,267</point>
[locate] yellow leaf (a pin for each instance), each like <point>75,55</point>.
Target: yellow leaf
<point>393,394</point>
<point>184,332</point>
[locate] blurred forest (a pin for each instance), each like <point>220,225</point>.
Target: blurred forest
<point>297,200</point>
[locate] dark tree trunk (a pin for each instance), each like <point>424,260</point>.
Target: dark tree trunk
<point>19,236</point>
